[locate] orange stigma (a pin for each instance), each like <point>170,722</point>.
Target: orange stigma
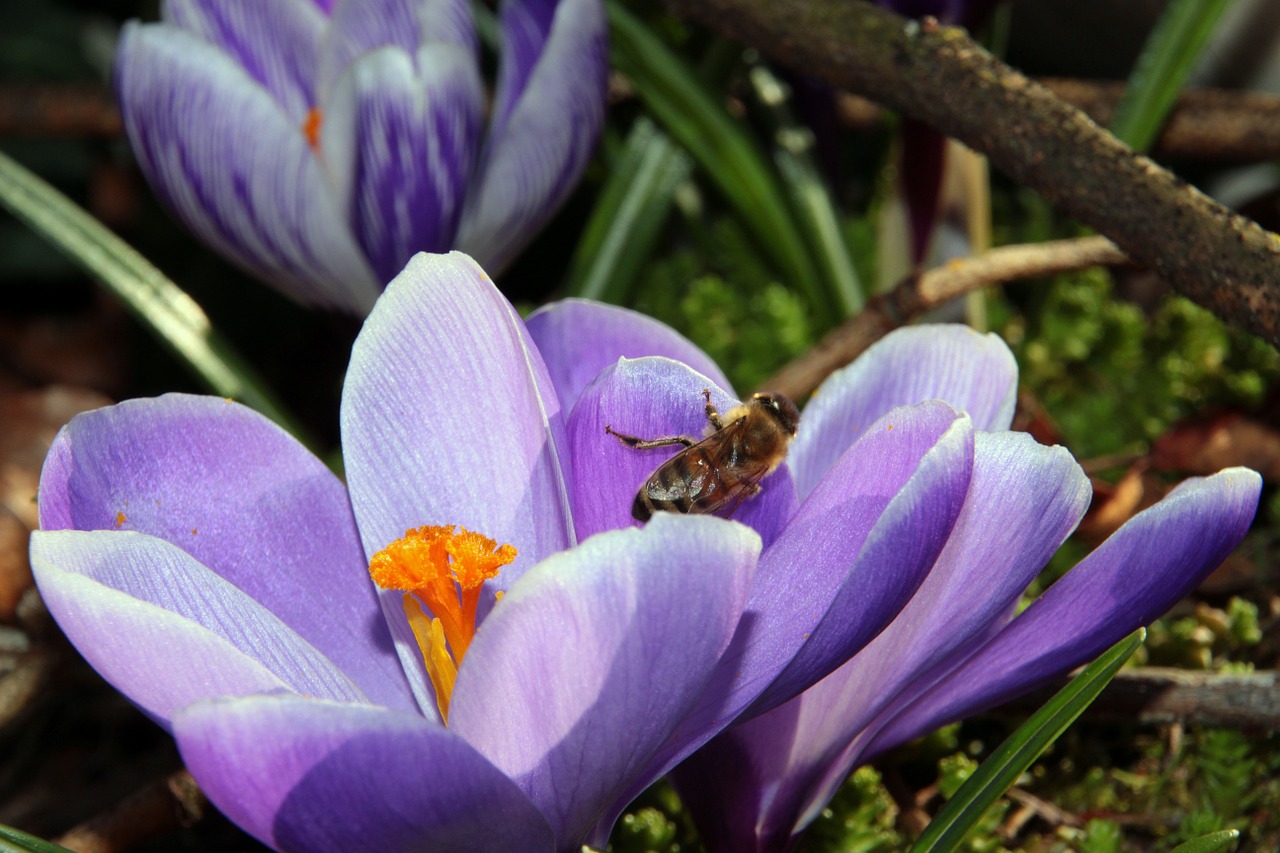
<point>442,571</point>
<point>311,126</point>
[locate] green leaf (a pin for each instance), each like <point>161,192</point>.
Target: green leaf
<point>1167,58</point>
<point>699,123</point>
<point>16,841</point>
<point>954,820</point>
<point>1211,843</point>
<point>628,216</point>
<point>810,198</point>
<point>164,308</point>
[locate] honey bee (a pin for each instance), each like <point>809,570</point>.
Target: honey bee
<point>726,467</point>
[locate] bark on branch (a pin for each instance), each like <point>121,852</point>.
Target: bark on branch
<point>1248,701</point>
<point>938,75</point>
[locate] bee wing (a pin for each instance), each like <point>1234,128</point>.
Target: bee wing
<point>741,478</point>
<point>747,487</point>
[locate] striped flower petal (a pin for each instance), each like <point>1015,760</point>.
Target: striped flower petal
<point>534,157</point>
<point>399,133</point>
<point>235,167</point>
<point>275,41</point>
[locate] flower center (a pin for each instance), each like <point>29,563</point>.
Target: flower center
<point>311,126</point>
<point>442,571</point>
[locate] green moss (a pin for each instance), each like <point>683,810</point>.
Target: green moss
<point>859,819</point>
<point>1114,379</point>
<point>750,324</point>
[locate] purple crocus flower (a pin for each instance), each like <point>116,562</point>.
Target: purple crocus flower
<point>924,150</point>
<point>956,648</point>
<point>220,576</point>
<point>319,144</point>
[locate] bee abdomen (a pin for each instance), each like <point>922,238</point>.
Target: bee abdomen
<point>677,486</point>
<point>641,508</point>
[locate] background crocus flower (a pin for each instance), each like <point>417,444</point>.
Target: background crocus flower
<point>319,145</point>
<point>219,575</point>
<point>924,154</point>
<point>956,647</point>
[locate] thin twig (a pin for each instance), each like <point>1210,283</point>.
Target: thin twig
<point>58,109</point>
<point>917,294</point>
<point>1043,808</point>
<point>23,684</point>
<point>1249,701</point>
<point>940,76</point>
<point>161,807</point>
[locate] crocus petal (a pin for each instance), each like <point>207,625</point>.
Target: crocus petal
<point>301,774</point>
<point>846,564</point>
<point>363,26</point>
<point>908,478</point>
<point>1155,559</point>
<point>921,183</point>
<point>1024,500</point>
<point>650,398</point>
<point>398,136</point>
<point>235,167</point>
<point>729,786</point>
<point>973,372</point>
<point>579,338</point>
<point>165,630</point>
<point>449,417</point>
<point>534,157</point>
<point>243,498</point>
<point>583,670</point>
<point>526,27</point>
<point>275,42</point>
<point>485,456</point>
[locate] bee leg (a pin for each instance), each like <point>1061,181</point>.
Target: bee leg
<point>646,443</point>
<point>713,415</point>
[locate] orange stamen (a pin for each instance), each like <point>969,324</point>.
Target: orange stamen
<point>419,563</point>
<point>441,669</point>
<point>311,126</point>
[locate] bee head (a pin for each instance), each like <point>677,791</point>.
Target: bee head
<point>780,409</point>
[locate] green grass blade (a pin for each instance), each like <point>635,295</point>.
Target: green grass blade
<point>699,123</point>
<point>627,218</point>
<point>16,841</point>
<point>810,197</point>
<point>1167,58</point>
<point>164,308</point>
<point>954,820</point>
<point>1214,842</point>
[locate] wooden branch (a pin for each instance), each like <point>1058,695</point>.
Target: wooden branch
<point>1220,125</point>
<point>1212,125</point>
<point>917,294</point>
<point>1249,701</point>
<point>162,807</point>
<point>938,75</point>
<point>58,109</point>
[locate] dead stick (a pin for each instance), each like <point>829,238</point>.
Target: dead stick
<point>940,76</point>
<point>1046,810</point>
<point>161,807</point>
<point>1152,695</point>
<point>917,294</point>
<point>58,109</point>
